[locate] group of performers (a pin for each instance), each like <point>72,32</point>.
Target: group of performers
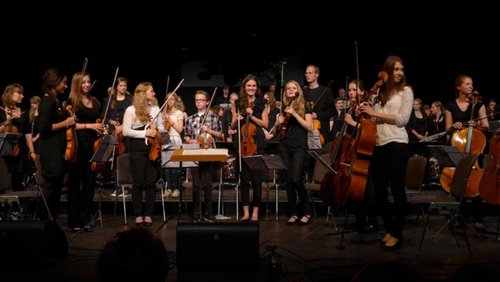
<point>62,134</point>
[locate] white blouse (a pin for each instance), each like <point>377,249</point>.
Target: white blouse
<point>400,105</point>
<point>131,123</point>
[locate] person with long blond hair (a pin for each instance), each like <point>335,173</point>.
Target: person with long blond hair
<point>82,178</point>
<point>138,126</point>
<point>173,119</point>
<point>297,115</point>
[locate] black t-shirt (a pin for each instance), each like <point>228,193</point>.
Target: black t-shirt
<point>296,135</point>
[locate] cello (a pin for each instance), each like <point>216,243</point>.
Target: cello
<point>489,187</point>
<point>470,141</point>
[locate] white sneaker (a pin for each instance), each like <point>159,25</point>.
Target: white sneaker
<point>115,193</point>
<point>175,194</point>
<point>168,193</point>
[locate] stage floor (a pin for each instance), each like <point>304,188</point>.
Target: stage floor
<point>304,253</point>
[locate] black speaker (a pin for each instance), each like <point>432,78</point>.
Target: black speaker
<point>206,247</point>
<point>31,242</point>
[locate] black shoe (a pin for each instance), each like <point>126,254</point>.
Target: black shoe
<point>88,228</point>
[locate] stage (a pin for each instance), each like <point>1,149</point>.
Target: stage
<point>286,253</point>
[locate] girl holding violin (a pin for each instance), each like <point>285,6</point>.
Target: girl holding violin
<point>253,117</point>
<point>173,119</point>
<point>293,149</point>
<point>13,120</point>
<point>32,134</point>
<point>457,113</point>
<point>52,125</point>
<point>81,189</point>
<point>204,121</point>
<point>121,99</point>
<point>390,156</point>
<point>137,129</point>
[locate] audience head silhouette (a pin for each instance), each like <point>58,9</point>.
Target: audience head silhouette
<point>135,255</point>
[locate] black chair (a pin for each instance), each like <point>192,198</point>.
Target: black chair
<point>449,204</point>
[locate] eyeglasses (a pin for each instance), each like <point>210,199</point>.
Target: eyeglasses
<point>200,100</point>
<point>309,73</point>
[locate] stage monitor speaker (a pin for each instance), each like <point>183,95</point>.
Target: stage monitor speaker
<point>217,247</point>
<point>31,242</point>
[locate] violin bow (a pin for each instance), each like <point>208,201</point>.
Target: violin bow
<point>85,63</point>
<point>166,101</point>
<point>109,98</point>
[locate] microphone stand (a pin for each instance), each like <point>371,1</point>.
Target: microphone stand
<point>239,163</point>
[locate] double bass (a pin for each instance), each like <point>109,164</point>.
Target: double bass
<point>470,141</point>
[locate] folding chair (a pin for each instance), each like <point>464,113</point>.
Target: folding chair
<point>449,204</point>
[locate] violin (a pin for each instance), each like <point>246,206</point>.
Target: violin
<point>286,117</point>
<point>98,167</point>
<point>70,153</point>
<point>248,131</point>
<point>155,142</point>
<point>317,125</point>
<point>9,128</point>
<point>206,139</point>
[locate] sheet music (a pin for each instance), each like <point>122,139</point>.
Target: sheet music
<point>190,152</point>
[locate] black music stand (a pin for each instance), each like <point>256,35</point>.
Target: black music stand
<point>7,142</point>
<point>265,163</point>
<point>102,155</point>
<point>447,156</point>
<point>166,162</point>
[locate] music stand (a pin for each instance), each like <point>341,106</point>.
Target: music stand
<point>102,155</point>
<point>7,142</point>
<point>199,155</point>
<point>167,162</point>
<point>266,163</point>
<point>447,156</point>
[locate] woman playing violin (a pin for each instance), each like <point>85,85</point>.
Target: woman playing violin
<point>390,156</point>
<point>173,118</point>
<point>253,115</point>
<point>86,108</point>
<point>137,128</point>
<point>13,120</point>
<point>52,125</point>
<point>458,112</point>
<point>202,176</point>
<point>293,149</point>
